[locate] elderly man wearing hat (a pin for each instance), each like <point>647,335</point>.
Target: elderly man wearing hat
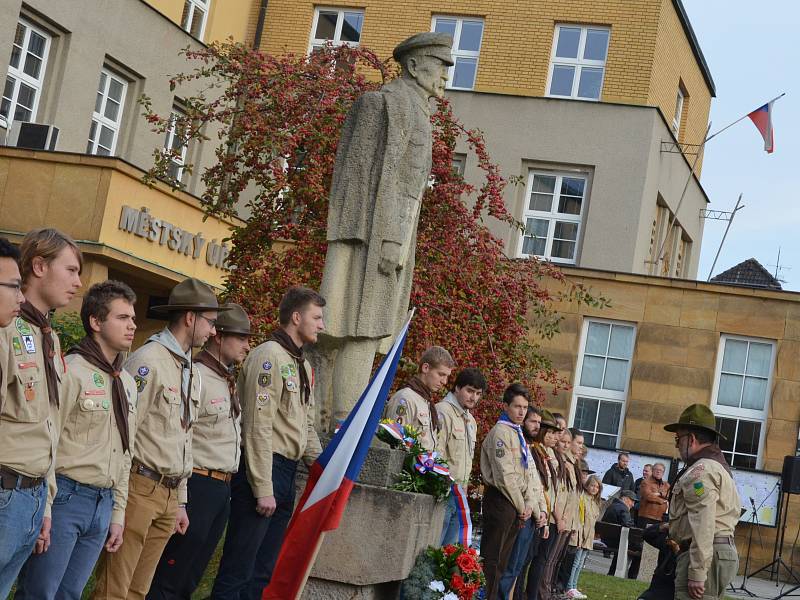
<point>704,509</point>
<point>216,449</point>
<point>169,395</point>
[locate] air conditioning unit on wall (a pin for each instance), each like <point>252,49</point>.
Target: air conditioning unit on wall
<point>36,136</point>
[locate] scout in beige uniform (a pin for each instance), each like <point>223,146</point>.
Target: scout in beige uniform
<point>414,403</point>
<point>456,444</point>
<point>704,509</point>
<point>276,386</point>
<point>169,394</point>
<point>32,368</point>
<point>216,449</point>
<point>509,498</point>
<point>531,532</point>
<point>93,459</point>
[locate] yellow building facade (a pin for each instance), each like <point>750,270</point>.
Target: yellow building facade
<point>673,343</point>
<point>652,52</point>
<point>150,238</point>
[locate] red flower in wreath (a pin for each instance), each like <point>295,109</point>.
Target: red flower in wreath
<point>449,550</point>
<point>467,563</point>
<point>457,583</point>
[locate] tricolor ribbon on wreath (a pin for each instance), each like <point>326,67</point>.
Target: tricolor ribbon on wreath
<point>427,462</point>
<point>398,432</point>
<point>464,517</point>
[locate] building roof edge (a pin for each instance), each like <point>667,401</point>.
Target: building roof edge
<point>698,52</point>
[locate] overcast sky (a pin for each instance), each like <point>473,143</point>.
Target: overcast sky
<point>754,55</point>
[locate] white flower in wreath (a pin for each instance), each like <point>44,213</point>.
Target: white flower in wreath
<point>436,586</point>
<point>449,596</point>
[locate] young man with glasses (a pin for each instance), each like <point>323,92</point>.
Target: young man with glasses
<point>169,395</point>
<point>216,448</point>
<point>10,283</point>
<point>32,370</point>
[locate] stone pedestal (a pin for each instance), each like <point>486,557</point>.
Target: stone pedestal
<point>380,536</point>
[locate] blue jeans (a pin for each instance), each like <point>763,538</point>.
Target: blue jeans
<point>253,542</point>
<point>451,526</point>
<point>81,516</point>
<point>577,565</point>
<point>21,515</point>
<point>517,559</point>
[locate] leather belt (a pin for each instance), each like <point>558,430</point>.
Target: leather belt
<point>220,475</point>
<point>168,482</point>
<point>11,479</point>
<point>718,539</point>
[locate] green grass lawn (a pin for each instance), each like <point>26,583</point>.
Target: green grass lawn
<point>598,586</point>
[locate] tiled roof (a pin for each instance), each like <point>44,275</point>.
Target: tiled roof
<point>749,273</point>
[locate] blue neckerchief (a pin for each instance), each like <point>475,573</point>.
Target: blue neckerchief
<point>524,453</point>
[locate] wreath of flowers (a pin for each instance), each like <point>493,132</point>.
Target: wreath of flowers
<point>450,573</point>
<point>424,472</point>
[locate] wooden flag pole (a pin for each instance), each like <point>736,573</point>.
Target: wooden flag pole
<point>310,565</point>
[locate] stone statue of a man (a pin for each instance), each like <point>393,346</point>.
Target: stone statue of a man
<point>382,168</point>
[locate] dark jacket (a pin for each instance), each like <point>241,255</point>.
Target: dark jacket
<point>618,514</point>
<point>618,477</point>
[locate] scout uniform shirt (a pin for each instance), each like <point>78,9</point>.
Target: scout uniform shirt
<point>28,422</point>
<point>457,433</point>
<point>588,513</point>
<point>704,504</point>
<point>501,467</point>
<point>556,485</point>
<point>274,418</point>
<point>90,448</point>
<point>540,500</point>
<point>407,407</point>
<point>571,493</point>
<point>216,434</point>
<point>162,443</point>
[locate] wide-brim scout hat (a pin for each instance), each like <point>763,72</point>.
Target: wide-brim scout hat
<point>191,294</point>
<point>434,44</point>
<point>548,420</point>
<point>696,416</point>
<point>233,320</point>
<point>584,467</point>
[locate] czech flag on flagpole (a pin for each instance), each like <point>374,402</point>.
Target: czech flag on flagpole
<point>330,481</point>
<point>762,119</point>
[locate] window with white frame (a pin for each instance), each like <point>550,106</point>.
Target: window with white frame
<point>467,35</point>
<point>23,86</point>
<point>676,119</point>
<point>175,145</point>
<point>195,15</point>
<point>741,397</point>
<point>107,115</point>
<point>579,61</point>
<point>337,26</point>
<point>602,380</point>
<point>553,215</point>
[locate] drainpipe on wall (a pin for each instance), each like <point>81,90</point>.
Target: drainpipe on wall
<point>262,14</point>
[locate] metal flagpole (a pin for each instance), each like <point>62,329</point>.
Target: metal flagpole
<point>741,118</point>
<point>683,195</point>
<point>716,256</point>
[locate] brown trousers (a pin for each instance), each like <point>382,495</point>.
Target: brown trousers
<point>554,558</point>
<point>500,529</point>
<point>149,523</point>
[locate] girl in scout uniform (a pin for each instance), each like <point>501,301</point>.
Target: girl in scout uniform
<point>589,504</point>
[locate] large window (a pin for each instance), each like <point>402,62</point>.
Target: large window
<point>336,26</point>
<point>601,381</point>
<point>578,64</point>
<point>553,215</point>
<point>195,14</point>
<point>175,145</point>
<point>23,86</point>
<point>107,116</point>
<point>741,397</point>
<point>467,35</point>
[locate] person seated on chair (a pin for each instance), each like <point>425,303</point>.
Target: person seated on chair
<point>619,513</point>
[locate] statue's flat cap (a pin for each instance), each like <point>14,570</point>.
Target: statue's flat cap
<point>435,44</point>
